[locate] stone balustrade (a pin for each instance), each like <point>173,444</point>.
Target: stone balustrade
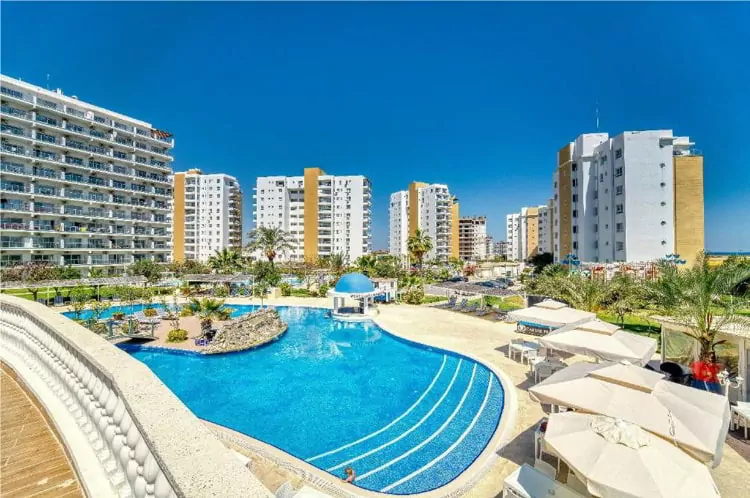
<point>132,437</point>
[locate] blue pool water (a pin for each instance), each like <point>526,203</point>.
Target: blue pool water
<point>125,308</point>
<point>407,418</point>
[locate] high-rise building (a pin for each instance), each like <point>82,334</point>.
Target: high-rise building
<point>323,214</point>
<point>81,185</point>
<point>501,248</point>
<point>472,238</point>
<point>634,197</point>
<point>430,208</point>
<point>207,215</point>
<point>489,247</point>
<point>529,232</point>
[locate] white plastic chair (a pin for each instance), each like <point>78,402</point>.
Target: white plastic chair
<point>576,484</point>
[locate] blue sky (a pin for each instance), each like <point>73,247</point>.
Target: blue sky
<point>479,96</point>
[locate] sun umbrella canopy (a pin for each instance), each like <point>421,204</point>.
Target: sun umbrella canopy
<point>617,459</point>
<point>601,340</point>
<point>551,313</point>
<point>697,421</point>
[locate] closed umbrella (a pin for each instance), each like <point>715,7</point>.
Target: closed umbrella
<point>697,421</point>
<point>602,341</point>
<point>617,459</point>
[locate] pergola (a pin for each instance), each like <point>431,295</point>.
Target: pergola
<point>211,278</point>
<point>86,282</point>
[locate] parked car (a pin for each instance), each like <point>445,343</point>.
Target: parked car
<point>457,279</point>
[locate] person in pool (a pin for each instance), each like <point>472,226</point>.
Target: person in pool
<point>350,475</point>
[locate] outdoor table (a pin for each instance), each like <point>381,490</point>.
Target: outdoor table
<point>741,415</point>
<point>528,482</point>
<point>522,348</point>
<point>553,364</point>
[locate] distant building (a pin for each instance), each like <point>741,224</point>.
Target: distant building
<point>207,215</point>
<point>81,185</point>
<point>489,247</point>
<point>634,197</point>
<point>501,248</point>
<point>430,208</point>
<point>323,214</point>
<point>472,238</point>
<point>529,232</point>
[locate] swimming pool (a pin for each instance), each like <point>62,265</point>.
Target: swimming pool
<point>407,418</point>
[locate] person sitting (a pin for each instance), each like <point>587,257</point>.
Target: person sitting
<point>705,374</point>
<point>350,475</point>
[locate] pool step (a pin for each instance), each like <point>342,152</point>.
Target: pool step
<point>430,443</point>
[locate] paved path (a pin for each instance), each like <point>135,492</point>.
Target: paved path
<point>33,462</point>
<point>487,340</point>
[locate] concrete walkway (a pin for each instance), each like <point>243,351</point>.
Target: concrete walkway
<point>33,462</point>
<point>487,340</point>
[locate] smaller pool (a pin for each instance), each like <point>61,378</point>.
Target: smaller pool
<point>125,308</point>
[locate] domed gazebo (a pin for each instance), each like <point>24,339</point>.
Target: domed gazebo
<point>353,286</point>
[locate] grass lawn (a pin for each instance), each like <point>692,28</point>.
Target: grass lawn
<point>636,324</point>
<point>508,304</point>
<point>433,299</point>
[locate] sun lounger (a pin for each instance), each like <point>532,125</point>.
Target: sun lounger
<point>450,303</point>
<point>470,308</point>
<point>483,310</point>
<point>501,316</point>
<point>58,300</point>
<point>460,306</point>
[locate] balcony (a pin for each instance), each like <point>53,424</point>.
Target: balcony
<point>14,225</point>
<point>14,187</point>
<point>14,205</point>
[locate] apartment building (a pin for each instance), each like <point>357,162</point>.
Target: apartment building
<point>472,238</point>
<point>529,232</point>
<point>637,196</point>
<point>489,247</point>
<point>432,209</point>
<point>207,215</point>
<point>501,248</point>
<point>323,214</point>
<point>81,185</point>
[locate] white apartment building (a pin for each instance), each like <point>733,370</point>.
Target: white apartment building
<point>432,209</point>
<point>81,185</point>
<point>501,248</point>
<point>529,232</point>
<point>637,196</point>
<point>323,214</point>
<point>207,215</point>
<point>473,239</point>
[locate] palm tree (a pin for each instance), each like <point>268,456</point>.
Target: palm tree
<point>207,309</point>
<point>700,299</point>
<point>269,240</point>
<point>366,264</point>
<point>335,263</point>
<point>225,262</point>
<point>419,244</point>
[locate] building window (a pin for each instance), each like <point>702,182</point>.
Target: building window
<point>575,229</point>
<point>618,209</point>
<point>575,197</point>
<point>575,213</point>
<point>575,245</point>
<point>663,222</point>
<point>575,167</point>
<point>619,227</point>
<point>618,190</point>
<point>618,153</point>
<point>663,203</point>
<point>619,246</point>
<point>618,171</point>
<point>575,182</point>
<point>601,178</point>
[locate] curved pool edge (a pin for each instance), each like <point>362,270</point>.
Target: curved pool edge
<point>460,485</point>
<point>328,483</point>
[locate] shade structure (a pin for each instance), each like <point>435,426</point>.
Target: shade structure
<point>551,313</point>
<point>617,459</point>
<point>697,421</point>
<point>354,283</point>
<point>602,341</point>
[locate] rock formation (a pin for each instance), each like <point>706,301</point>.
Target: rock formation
<point>249,331</point>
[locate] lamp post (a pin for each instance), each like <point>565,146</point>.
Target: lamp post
<point>726,382</point>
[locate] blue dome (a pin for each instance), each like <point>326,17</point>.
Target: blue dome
<point>354,283</point>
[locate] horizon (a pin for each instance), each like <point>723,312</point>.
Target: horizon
<point>255,90</point>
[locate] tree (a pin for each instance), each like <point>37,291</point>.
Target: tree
<point>188,267</point>
<point>96,273</point>
<point>335,264</point>
<point>129,295</point>
<point>627,296</point>
<point>226,262</point>
<point>270,241</point>
<point>208,309</point>
<point>578,290</point>
<point>267,273</point>
<point>699,299</point>
<point>366,264</point>
<point>98,308</point>
<point>388,267</point>
<point>305,272</point>
<point>32,273</point>
<point>146,268</point>
<point>541,261</point>
<point>67,273</point>
<point>419,244</point>
<point>79,295</point>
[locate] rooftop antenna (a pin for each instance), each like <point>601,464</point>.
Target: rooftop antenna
<point>597,115</point>
<point>47,81</point>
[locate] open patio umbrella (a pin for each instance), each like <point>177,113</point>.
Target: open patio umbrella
<point>697,421</point>
<point>602,341</point>
<point>550,313</point>
<point>617,459</point>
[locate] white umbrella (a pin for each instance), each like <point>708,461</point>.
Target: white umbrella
<point>602,341</point>
<point>697,421</point>
<point>617,459</point>
<point>551,313</point>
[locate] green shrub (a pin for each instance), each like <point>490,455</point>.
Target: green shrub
<point>221,291</point>
<point>323,290</point>
<point>118,315</point>
<point>286,289</point>
<point>187,311</point>
<point>414,295</point>
<point>177,335</point>
<point>300,293</point>
<point>224,314</point>
<point>149,312</point>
